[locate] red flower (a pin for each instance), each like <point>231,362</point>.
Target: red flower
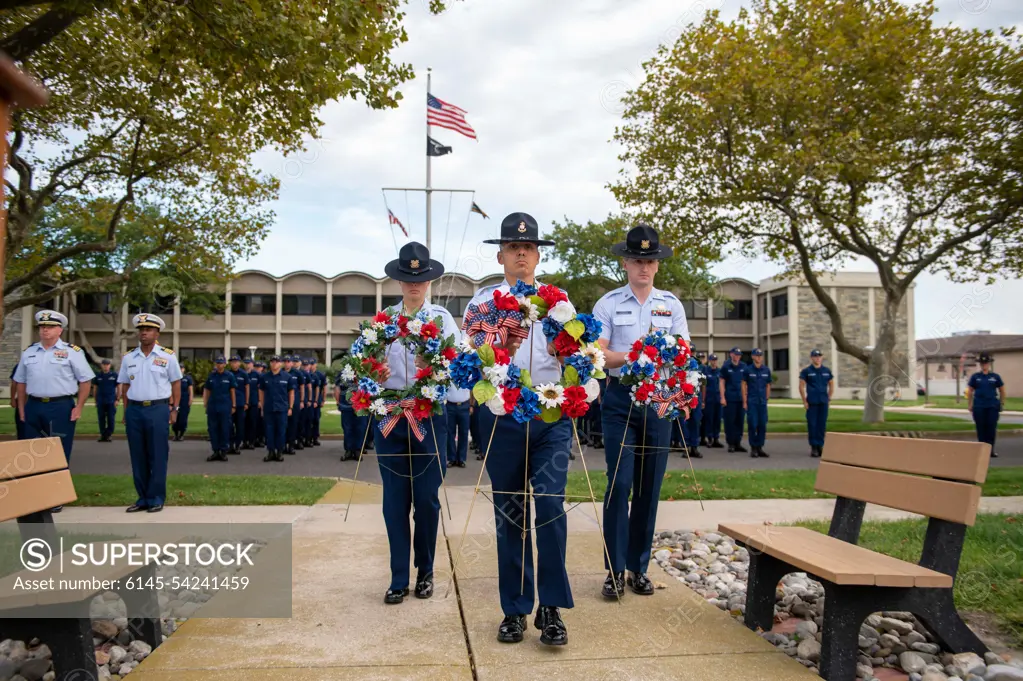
<point>694,403</point>
<point>505,301</point>
<point>680,361</point>
<point>382,317</point>
<point>501,356</point>
<point>565,344</point>
<point>552,295</point>
<point>688,389</point>
<point>638,345</point>
<point>423,408</point>
<point>510,396</point>
<point>574,410</point>
<point>429,330</point>
<point>644,391</point>
<point>361,399</point>
<point>633,356</point>
<point>650,351</point>
<point>449,354</point>
<point>425,372</point>
<point>402,326</point>
<point>672,381</point>
<point>575,393</point>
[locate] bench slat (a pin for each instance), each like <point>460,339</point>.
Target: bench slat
<point>36,493</point>
<point>953,460</point>
<point>953,501</point>
<point>833,559</point>
<point>22,458</point>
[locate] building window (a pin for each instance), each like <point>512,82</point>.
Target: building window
<point>763,307</point>
<point>192,354</point>
<point>695,309</point>
<point>456,305</point>
<point>305,352</point>
<point>780,359</point>
<point>740,309</point>
<point>780,305</point>
<point>93,303</point>
<point>304,305</point>
<point>390,301</point>
<point>247,303</point>
<point>155,305</point>
<point>354,306</point>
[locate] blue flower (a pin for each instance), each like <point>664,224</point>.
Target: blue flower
<point>582,364</point>
<point>527,407</point>
<point>593,328</point>
<point>551,328</point>
<point>358,345</point>
<point>442,393</point>
<point>514,376</point>
<point>648,369</point>
<point>465,370</point>
<point>521,288</point>
<point>370,386</point>
<point>391,330</point>
<point>433,345</point>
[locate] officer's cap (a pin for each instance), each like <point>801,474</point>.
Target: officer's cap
<point>816,353</point>
<point>736,351</point>
<point>144,320</point>
<point>984,358</point>
<point>247,360</point>
<point>276,358</point>
<point>306,362</point>
<point>105,362</point>
<point>260,364</point>
<point>220,360</point>
<point>235,358</point>
<point>712,357</point>
<point>757,352</point>
<point>50,318</point>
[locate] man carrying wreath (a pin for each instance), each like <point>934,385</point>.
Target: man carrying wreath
<point>535,449</point>
<point>627,314</point>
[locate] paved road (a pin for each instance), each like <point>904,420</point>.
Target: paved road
<point>189,456</point>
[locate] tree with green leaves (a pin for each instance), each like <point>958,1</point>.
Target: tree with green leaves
<point>588,269</point>
<point>819,132</point>
<point>160,103</point>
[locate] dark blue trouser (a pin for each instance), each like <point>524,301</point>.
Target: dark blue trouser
<point>548,462</point>
<point>757,417</point>
<point>51,419</point>
<point>474,427</point>
<point>816,423</point>
<point>292,425</point>
<point>238,427</point>
<point>641,471</point>
<point>181,424</point>
<point>734,417</point>
<point>458,431</point>
<point>251,421</point>
<point>276,423</point>
<point>692,427</point>
<point>19,425</point>
<point>711,427</point>
<point>146,428</point>
<point>353,429</point>
<point>410,483</point>
<point>986,419</point>
<point>218,423</point>
<point>317,415</point>
<point>106,413</point>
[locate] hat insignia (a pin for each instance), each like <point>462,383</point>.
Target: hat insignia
<point>645,244</point>
<point>414,264</point>
<point>143,317</point>
<point>45,316</point>
<point>522,228</point>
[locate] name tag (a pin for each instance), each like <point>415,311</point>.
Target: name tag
<point>625,319</point>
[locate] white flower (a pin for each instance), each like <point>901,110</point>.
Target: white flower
<point>592,389</point>
<point>550,394</point>
<point>415,326</point>
<point>496,374</point>
<point>669,341</point>
<point>440,376</point>
<point>595,355</point>
<point>379,407</point>
<point>496,403</point>
<point>465,344</point>
<point>429,392</point>
<point>369,335</point>
<point>693,378</point>
<point>348,374</point>
<point>379,326</point>
<point>532,312</point>
<point>563,312</point>
<point>644,359</point>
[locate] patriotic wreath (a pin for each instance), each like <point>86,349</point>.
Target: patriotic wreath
<point>426,396</point>
<point>662,373</point>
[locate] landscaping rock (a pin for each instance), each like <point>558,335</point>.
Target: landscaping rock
<point>968,663</point>
<point>34,670</point>
<point>898,626</point>
<point>809,649</point>
<point>1003,672</point>
<point>911,661</point>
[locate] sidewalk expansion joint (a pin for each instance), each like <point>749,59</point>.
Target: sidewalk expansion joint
<point>458,597</point>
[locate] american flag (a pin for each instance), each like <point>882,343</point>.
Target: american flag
<point>396,221</point>
<point>449,116</point>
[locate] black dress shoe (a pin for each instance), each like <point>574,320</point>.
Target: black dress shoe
<point>511,629</point>
<point>994,455</point>
<point>641,584</point>
<point>614,586</point>
<point>479,457</point>
<point>155,509</point>
<point>135,508</point>
<point>753,454</point>
<point>740,448</point>
<point>552,628</point>
<point>696,453</point>
<point>571,455</point>
<point>762,454</point>
<point>731,448</point>
<point>395,596</point>
<point>424,586</point>
<point>461,464</point>
<point>298,447</point>
<point>270,456</point>
<point>716,444</point>
<point>234,450</point>
<point>218,455</point>
<point>56,509</point>
<point>599,444</point>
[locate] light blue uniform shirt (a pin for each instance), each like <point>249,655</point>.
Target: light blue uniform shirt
<point>532,354</point>
<point>149,378</point>
<point>56,372</point>
<point>402,362</point>
<point>625,320</point>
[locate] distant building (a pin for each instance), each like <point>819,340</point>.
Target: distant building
<point>944,365</point>
<point>309,314</point>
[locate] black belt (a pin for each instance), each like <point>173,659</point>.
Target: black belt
<point>148,403</point>
<point>51,399</point>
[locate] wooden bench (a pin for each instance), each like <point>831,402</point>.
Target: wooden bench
<point>34,478</point>
<point>939,479</point>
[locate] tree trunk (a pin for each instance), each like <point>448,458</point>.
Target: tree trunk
<point>883,380</point>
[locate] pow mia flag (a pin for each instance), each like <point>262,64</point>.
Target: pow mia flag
<point>435,148</point>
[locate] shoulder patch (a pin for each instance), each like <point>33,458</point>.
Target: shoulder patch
<point>168,351</point>
<point>75,348</point>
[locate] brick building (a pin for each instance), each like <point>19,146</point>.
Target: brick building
<point>309,314</point>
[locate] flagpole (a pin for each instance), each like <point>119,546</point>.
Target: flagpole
<point>429,191</point>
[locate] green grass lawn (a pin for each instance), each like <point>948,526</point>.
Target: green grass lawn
<point>949,402</point>
<point>766,484</point>
<point>989,573</point>
<point>206,490</point>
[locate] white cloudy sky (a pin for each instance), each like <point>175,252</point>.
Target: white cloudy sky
<point>541,82</point>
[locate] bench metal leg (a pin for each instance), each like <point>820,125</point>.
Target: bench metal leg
<point>764,574</point>
<point>69,639</point>
<point>143,608</point>
<point>937,611</point>
<point>845,609</point>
